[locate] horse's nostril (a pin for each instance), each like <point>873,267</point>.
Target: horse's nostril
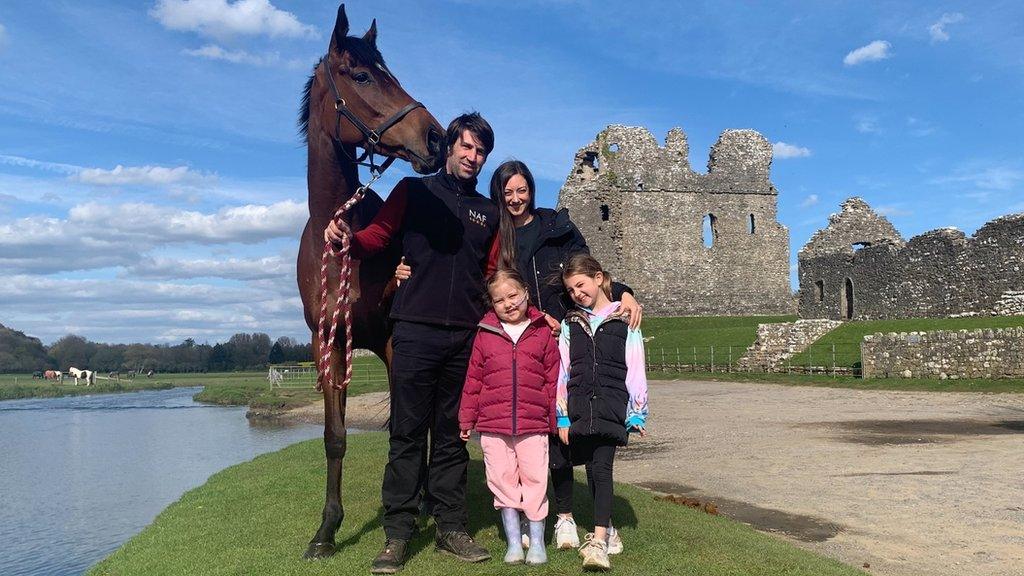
<point>433,141</point>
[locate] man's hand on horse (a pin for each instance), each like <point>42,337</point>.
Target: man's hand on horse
<point>333,233</point>
<point>630,307</point>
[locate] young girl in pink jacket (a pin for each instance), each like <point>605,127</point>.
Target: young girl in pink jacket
<point>509,397</point>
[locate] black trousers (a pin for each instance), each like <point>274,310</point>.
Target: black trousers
<point>598,455</point>
<point>428,370</point>
<point>560,463</point>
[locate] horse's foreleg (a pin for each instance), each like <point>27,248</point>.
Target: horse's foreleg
<point>335,444</point>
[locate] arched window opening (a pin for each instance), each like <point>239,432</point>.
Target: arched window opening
<point>750,224</point>
<point>819,290</point>
<point>709,230</point>
<point>604,212</point>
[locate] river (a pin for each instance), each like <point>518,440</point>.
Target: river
<point>80,475</point>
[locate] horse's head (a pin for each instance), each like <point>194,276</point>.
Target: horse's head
<point>369,92</point>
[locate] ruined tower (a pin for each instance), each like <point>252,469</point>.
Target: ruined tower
<point>690,244</point>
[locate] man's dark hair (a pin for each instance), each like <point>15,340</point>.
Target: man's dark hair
<point>476,124</point>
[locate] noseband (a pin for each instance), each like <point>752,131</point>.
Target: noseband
<point>371,138</point>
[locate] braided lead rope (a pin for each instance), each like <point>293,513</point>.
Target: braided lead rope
<point>342,303</point>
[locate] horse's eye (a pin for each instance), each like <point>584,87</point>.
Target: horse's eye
<point>361,77</point>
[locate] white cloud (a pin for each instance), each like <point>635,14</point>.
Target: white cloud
<point>997,178</point>
<point>809,201</point>
<point>270,267</point>
<point>781,151</point>
<point>215,52</point>
<point>23,162</point>
<point>938,30</point>
<point>141,176</point>
<point>867,125</point>
<point>877,50</point>
<point>892,210</point>
<point>101,236</point>
<point>919,127</point>
<point>222,19</point>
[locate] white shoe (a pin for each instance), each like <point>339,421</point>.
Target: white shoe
<point>566,535</point>
<point>614,541</point>
<point>595,554</point>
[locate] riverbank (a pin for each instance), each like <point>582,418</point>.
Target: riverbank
<point>256,518</point>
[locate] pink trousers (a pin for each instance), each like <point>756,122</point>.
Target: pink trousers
<point>517,472</point>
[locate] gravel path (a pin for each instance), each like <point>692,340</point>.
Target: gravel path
<point>907,483</point>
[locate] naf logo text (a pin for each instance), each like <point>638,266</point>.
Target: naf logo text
<point>478,218</point>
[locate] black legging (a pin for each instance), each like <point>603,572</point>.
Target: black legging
<point>598,454</point>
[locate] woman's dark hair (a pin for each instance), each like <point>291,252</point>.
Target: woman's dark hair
<point>506,228</point>
<point>476,124</point>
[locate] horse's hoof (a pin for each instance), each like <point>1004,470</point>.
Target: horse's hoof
<point>318,550</point>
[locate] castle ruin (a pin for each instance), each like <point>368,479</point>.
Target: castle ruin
<point>691,244</point>
<point>859,268</point>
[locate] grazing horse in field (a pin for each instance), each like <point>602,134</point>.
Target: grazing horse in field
<point>350,90</point>
<point>54,375</point>
<point>88,375</point>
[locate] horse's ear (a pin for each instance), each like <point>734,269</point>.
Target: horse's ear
<point>340,28</point>
<point>371,35</point>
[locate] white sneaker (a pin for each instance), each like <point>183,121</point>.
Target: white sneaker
<point>566,535</point>
<point>614,541</point>
<point>595,554</point>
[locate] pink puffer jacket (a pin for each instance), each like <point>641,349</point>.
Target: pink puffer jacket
<point>511,388</point>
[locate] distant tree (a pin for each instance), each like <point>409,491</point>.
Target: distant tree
<point>220,358</point>
<point>276,354</point>
<point>21,353</point>
<point>72,350</point>
<point>107,358</point>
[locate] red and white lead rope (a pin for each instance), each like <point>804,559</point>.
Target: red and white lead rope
<point>342,303</point>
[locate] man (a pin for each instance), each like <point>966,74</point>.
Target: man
<point>449,235</point>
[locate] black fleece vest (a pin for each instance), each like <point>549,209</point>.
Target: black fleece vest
<point>447,232</point>
<point>597,378</point>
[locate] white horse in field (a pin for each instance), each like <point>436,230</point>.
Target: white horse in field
<point>88,375</point>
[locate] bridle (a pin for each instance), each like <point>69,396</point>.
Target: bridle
<point>371,138</point>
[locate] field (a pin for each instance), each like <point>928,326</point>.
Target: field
<point>255,518</point>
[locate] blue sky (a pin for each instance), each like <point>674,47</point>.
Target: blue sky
<point>152,183</point>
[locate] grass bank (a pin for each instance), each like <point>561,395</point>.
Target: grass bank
<point>256,518</point>
<point>1014,386</point>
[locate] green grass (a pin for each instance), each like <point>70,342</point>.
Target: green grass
<point>826,381</point>
<point>847,338</point>
<point>256,518</point>
<point>696,335</point>
<point>225,388</point>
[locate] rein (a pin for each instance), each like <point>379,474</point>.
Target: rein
<point>341,255</point>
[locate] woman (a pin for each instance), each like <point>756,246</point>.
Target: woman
<point>536,241</point>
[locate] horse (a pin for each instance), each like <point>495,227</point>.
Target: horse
<point>54,375</point>
<point>350,89</point>
<point>88,375</point>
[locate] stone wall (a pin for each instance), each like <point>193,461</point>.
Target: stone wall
<point>777,342</point>
<point>937,274</point>
<point>987,353</point>
<point>642,210</point>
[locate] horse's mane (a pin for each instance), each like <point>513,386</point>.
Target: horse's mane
<point>363,53</point>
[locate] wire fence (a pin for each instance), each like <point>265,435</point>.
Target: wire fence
<point>305,376</point>
<point>841,359</point>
